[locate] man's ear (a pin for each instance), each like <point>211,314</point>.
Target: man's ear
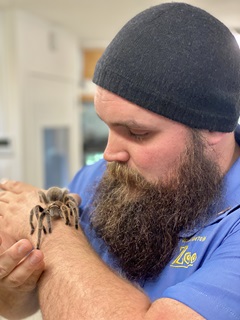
<point>213,137</point>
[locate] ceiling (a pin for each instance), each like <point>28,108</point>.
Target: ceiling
<point>97,21</point>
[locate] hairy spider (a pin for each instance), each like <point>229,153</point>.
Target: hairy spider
<point>58,204</point>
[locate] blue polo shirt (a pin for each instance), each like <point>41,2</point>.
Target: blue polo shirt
<point>204,273</point>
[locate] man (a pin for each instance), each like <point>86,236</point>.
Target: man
<point>160,222</point>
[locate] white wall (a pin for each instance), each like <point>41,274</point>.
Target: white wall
<point>38,82</point>
<point>39,71</point>
<point>10,126</point>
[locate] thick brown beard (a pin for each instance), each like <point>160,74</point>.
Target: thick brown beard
<point>140,221</point>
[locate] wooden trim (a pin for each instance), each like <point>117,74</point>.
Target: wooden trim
<point>87,97</point>
<point>90,58</point>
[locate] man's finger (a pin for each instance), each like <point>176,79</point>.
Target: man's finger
<point>10,258</point>
<point>26,274</point>
<point>16,186</point>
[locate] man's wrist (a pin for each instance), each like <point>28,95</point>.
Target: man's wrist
<point>61,236</point>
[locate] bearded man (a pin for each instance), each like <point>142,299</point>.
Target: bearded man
<point>160,214</point>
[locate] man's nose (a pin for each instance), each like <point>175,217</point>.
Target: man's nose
<point>116,149</point>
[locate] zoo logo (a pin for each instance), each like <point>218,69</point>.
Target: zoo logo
<point>185,259</point>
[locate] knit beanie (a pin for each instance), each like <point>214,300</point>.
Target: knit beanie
<point>178,61</point>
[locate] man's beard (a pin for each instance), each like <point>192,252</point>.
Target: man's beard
<point>140,221</point>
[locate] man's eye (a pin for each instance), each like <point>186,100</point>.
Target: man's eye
<point>138,136</point>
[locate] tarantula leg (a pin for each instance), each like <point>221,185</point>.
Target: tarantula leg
<point>73,206</point>
<point>31,220</point>
<point>41,226</point>
<point>74,212</point>
<point>42,197</point>
<point>35,212</point>
<point>44,230</point>
<point>65,214</point>
<point>37,215</point>
<point>49,222</point>
<point>76,217</point>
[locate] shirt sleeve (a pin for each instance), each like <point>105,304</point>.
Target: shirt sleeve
<point>214,289</point>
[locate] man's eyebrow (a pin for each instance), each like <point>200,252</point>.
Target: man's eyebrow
<point>132,124</point>
<point>129,123</point>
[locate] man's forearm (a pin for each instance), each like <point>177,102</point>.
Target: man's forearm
<point>18,305</point>
<point>78,285</point>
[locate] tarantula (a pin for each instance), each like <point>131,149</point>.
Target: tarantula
<point>58,204</point>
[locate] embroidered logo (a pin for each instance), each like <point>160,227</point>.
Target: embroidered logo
<point>185,259</point>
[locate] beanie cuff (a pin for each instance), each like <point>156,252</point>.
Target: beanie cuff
<point>164,106</point>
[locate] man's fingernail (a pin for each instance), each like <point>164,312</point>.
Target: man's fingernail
<point>35,259</point>
<point>22,248</point>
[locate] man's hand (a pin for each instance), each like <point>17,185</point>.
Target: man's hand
<point>20,265</point>
<point>20,269</point>
<point>16,201</point>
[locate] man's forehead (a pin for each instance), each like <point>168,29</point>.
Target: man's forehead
<point>112,108</point>
<point>108,103</point>
<point>104,94</point>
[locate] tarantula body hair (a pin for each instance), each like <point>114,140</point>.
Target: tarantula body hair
<point>56,203</point>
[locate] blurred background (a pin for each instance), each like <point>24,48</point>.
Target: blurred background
<point>48,50</point>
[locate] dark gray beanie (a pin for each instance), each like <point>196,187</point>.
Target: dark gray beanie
<point>177,61</point>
